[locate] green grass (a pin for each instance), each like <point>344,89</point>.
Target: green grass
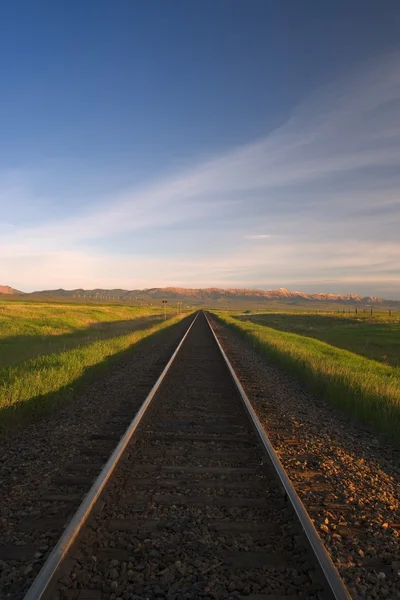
<point>56,349</point>
<point>367,389</point>
<point>376,337</point>
<point>29,330</point>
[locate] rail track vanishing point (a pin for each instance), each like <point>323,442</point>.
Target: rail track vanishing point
<point>193,502</point>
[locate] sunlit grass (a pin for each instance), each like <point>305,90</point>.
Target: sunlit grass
<point>47,351</point>
<point>376,337</point>
<point>29,330</point>
<point>367,389</point>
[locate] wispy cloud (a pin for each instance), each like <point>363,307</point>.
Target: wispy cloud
<point>257,236</point>
<point>355,267</point>
<point>326,186</point>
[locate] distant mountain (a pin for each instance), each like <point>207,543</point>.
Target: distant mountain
<point>223,297</point>
<point>6,289</point>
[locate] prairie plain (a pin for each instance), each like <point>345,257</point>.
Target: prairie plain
<point>351,361</point>
<point>47,350</point>
<point>376,336</point>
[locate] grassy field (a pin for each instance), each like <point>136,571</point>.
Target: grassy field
<point>376,337</point>
<point>28,329</point>
<point>367,389</point>
<point>46,351</point>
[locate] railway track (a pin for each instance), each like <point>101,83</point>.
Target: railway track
<point>193,502</point>
<point>349,487</point>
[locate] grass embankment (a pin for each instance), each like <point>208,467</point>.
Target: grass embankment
<point>365,388</point>
<point>29,387</point>
<point>28,330</point>
<point>376,337</point>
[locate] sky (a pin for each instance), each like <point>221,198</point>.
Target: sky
<point>219,143</point>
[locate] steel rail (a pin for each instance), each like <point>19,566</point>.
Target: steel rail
<point>50,568</point>
<point>329,570</point>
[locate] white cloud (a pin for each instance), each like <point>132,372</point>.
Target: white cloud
<point>324,185</point>
<point>348,267</point>
<point>257,236</point>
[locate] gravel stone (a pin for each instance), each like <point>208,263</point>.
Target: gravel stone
<point>34,454</point>
<point>185,556</point>
<point>362,471</point>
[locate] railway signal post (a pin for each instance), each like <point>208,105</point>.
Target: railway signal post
<point>165,309</point>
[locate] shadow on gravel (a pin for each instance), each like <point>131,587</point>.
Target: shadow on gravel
<point>36,407</point>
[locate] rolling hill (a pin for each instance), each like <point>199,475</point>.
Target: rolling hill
<point>6,289</point>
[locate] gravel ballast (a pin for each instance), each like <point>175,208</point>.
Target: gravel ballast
<point>193,525</point>
<point>346,477</point>
<point>36,454</point>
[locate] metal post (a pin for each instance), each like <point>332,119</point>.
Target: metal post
<point>165,309</point>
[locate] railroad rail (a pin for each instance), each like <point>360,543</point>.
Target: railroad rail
<point>192,503</point>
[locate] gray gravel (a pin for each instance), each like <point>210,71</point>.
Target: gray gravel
<point>347,478</point>
<point>32,456</point>
<point>120,554</point>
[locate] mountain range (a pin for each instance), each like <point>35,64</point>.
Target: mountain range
<point>6,289</point>
<point>210,296</point>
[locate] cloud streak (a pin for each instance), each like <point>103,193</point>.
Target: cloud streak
<point>324,185</point>
<point>356,265</point>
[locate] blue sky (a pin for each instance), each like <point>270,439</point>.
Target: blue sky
<point>213,143</point>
